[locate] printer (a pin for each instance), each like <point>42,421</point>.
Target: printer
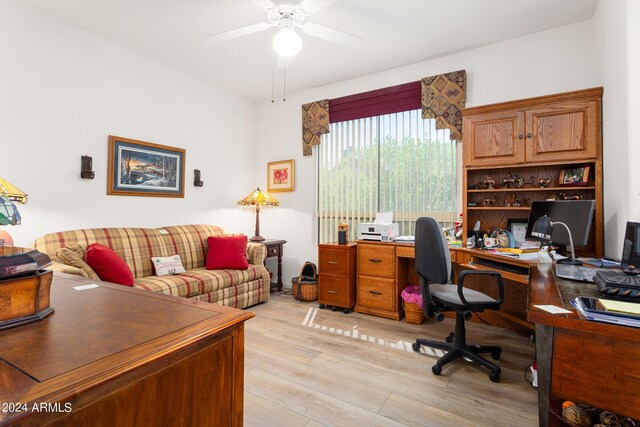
<point>378,232</point>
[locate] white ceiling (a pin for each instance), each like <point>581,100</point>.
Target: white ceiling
<point>395,33</point>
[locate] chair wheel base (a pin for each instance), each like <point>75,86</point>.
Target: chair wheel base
<point>437,370</point>
<point>321,306</point>
<point>495,355</point>
<point>494,376</point>
<point>450,337</point>
<point>415,346</point>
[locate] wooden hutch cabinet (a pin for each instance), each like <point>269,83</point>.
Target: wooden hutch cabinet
<point>533,139</point>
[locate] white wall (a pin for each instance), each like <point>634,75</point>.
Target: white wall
<point>610,42</point>
<point>63,91</point>
<point>633,72</point>
<point>553,61</point>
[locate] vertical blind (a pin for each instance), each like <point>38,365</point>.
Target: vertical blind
<point>395,162</point>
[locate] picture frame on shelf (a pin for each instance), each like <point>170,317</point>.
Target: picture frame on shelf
<point>280,176</point>
<point>574,176</point>
<point>139,168</point>
<point>518,229</point>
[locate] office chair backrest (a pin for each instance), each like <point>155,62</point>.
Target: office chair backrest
<point>433,261</point>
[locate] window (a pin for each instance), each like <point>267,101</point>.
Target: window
<point>392,162</point>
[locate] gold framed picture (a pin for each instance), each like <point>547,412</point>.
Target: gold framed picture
<point>280,176</point>
<point>138,168</point>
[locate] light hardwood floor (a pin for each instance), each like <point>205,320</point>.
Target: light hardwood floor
<point>310,367</point>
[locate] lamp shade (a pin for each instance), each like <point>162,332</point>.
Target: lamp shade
<point>542,228</point>
<point>12,192</point>
<point>258,198</point>
<point>9,214</point>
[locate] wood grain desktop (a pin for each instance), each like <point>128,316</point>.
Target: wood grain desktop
<point>114,355</point>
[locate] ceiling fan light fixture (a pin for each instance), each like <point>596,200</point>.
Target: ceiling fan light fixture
<point>287,42</point>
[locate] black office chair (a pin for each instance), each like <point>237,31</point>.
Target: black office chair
<point>433,265</point>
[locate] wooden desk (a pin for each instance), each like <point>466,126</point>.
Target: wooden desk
<point>275,248</point>
<point>115,355</point>
<point>384,269</point>
<point>578,360</point>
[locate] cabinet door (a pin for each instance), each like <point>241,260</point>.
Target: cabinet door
<point>566,131</point>
<point>494,138</point>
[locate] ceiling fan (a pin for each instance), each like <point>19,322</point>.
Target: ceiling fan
<point>287,17</point>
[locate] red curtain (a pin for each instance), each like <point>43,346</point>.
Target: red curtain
<point>394,99</point>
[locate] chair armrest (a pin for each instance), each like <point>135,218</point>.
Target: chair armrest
<point>64,268</point>
<point>256,253</point>
<point>465,273</point>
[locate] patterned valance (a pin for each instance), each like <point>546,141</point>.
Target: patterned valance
<point>443,98</point>
<point>315,122</point>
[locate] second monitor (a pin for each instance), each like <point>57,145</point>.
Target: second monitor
<point>576,214</point>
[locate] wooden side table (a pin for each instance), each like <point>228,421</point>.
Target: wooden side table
<point>275,249</point>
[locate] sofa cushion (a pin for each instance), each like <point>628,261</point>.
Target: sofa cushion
<point>73,255</point>
<point>108,265</point>
<point>227,252</point>
<point>199,281</point>
<point>164,266</point>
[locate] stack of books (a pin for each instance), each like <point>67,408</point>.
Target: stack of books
<point>608,311</point>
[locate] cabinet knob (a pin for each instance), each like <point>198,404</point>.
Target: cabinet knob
<point>529,135</point>
<point>332,262</point>
<point>520,136</point>
<point>375,260</point>
<point>332,292</point>
<point>375,292</point>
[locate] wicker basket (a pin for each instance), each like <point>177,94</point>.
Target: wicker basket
<point>412,313</point>
<point>305,286</point>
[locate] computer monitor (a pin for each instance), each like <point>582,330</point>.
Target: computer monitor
<point>576,214</point>
<point>631,246</point>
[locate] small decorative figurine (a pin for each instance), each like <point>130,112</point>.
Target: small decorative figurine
<point>525,201</point>
<point>545,182</point>
<point>509,200</point>
<point>552,196</point>
<point>489,201</point>
<point>488,182</point>
<point>508,181</point>
<point>458,225</point>
<point>520,183</point>
<point>564,196</point>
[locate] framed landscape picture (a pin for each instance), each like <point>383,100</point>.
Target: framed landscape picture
<point>280,176</point>
<point>138,168</point>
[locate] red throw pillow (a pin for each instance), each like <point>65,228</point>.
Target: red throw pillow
<point>108,265</point>
<point>227,252</point>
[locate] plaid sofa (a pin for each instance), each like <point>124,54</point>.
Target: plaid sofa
<point>136,246</point>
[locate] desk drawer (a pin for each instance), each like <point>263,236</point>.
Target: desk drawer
<point>334,262</point>
<point>273,251</point>
<point>376,260</point>
<point>336,291</point>
<point>375,292</point>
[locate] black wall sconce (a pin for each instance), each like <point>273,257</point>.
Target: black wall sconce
<point>196,178</point>
<point>86,171</point>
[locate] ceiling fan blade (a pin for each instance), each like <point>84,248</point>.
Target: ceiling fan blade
<point>238,32</point>
<point>332,35</point>
<point>312,6</point>
<point>265,4</point>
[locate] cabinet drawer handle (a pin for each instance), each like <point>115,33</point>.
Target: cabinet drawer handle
<point>375,260</point>
<point>529,135</point>
<point>520,136</point>
<point>332,262</point>
<point>333,292</point>
<point>375,292</point>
